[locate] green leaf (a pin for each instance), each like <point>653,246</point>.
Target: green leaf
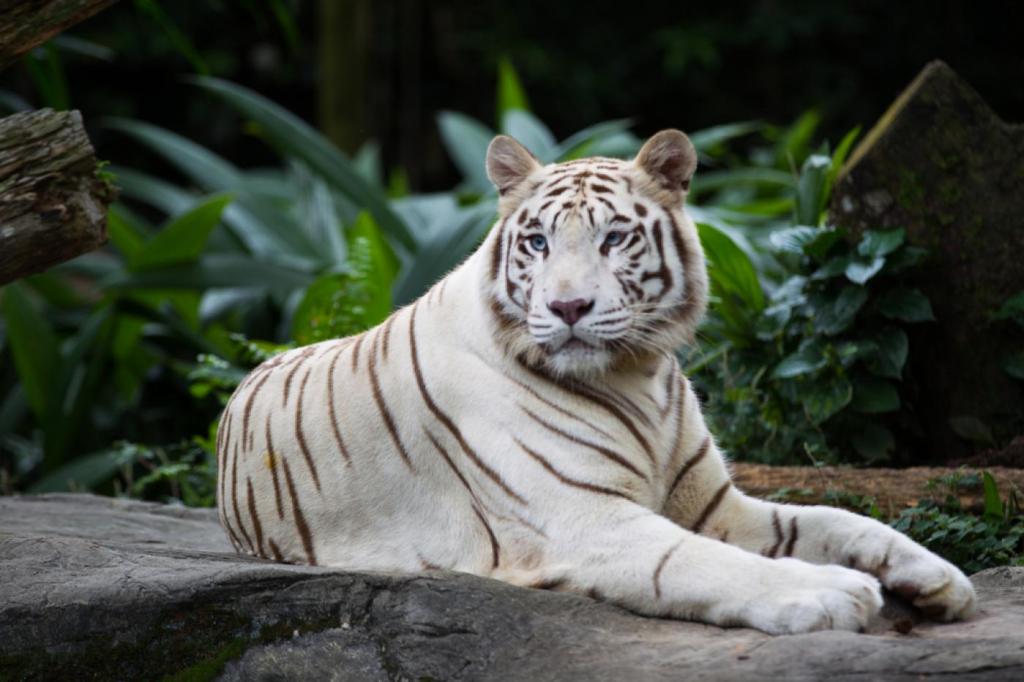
<point>1014,365</point>
<point>124,234</point>
<point>214,271</point>
<point>892,351</point>
<point>873,442</point>
<point>838,158</point>
<point>767,178</point>
<point>34,347</point>
<point>993,502</point>
<point>838,316</point>
<point>291,135</point>
<point>908,305</point>
<point>824,398</point>
<point>809,358</point>
<point>708,138</point>
<point>579,143</point>
<point>860,270</point>
<point>182,240</point>
<point>794,239</point>
<point>972,429</point>
<point>877,243</point>
<point>83,473</point>
<point>730,267</point>
<point>532,133</point>
<point>810,189</point>
<point>466,141</point>
<point>510,91</point>
<point>1012,309</point>
<point>874,396</point>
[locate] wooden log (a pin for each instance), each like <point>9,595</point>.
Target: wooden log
<point>892,489</point>
<point>53,203</point>
<point>25,24</point>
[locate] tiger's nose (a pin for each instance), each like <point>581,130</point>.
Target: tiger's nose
<point>571,311</point>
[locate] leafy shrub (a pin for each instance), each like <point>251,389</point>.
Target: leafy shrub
<point>971,541</point>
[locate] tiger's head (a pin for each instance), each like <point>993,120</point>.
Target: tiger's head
<point>594,264</point>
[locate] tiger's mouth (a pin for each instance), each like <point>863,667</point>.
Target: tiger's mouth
<point>573,345</point>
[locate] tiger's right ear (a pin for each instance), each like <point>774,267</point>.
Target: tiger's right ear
<point>509,163</point>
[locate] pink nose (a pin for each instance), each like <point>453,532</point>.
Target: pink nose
<point>571,311</point>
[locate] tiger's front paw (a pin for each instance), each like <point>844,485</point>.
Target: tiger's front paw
<point>931,583</point>
<point>806,597</point>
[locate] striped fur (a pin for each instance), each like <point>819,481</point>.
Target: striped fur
<point>477,430</point>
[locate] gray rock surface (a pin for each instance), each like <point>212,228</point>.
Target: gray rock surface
<point>98,588</point>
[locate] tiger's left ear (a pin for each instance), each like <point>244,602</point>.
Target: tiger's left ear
<point>670,160</point>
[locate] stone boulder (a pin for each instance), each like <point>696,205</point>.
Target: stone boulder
<point>101,588</point>
<point>941,164</point>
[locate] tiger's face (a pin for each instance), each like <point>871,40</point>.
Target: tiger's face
<point>594,262</point>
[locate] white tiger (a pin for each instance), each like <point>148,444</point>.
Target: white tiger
<point>526,419</point>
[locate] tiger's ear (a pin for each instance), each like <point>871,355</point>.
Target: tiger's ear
<point>509,163</point>
<point>670,160</point>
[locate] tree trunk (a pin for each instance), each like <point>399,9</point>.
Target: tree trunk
<point>53,204</point>
<point>24,24</point>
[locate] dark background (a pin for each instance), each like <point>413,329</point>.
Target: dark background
<point>384,69</point>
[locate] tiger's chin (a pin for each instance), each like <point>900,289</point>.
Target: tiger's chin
<point>578,358</point>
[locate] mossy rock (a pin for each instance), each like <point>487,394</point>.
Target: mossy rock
<point>941,164</point>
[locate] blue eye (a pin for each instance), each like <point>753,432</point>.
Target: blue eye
<point>614,238</point>
<point>538,242</point>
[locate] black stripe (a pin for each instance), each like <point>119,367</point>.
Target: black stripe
<point>257,526</point>
<point>447,421</point>
<point>606,452</point>
<point>272,462</point>
<point>300,519</point>
<point>661,565</point>
<point>300,434</point>
<point>794,533</point>
<point>234,499</point>
<point>711,506</point>
<point>582,485</point>
<point>692,462</point>
<point>385,412</point>
<point>335,429</point>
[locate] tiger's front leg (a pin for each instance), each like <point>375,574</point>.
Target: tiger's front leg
<point>826,535</point>
<point>703,499</point>
<point>644,562</point>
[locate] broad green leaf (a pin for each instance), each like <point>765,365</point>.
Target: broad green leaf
<point>993,502</point>
<point>1012,309</point>
<point>531,133</point>
<point>877,243</point>
<point>892,347</point>
<point>768,178</point>
<point>832,267</point>
<point>510,91</point>
<point>374,261</point>
<point>1014,365</point>
<point>971,428</point>
<point>707,139</point>
<point>838,316</point>
<point>860,270</point>
<point>367,162</point>
<point>466,141</point>
<point>839,158</point>
<point>730,268</point>
<point>794,143</point>
<point>810,189</point>
<point>810,358</point>
<point>124,235</point>
<point>826,397</point>
<point>794,239</point>
<point>83,473</point>
<point>33,345</point>
<point>157,193</point>
<point>908,305</point>
<point>873,442</point>
<point>211,172</point>
<point>578,144</point>
<point>214,271</point>
<point>291,135</point>
<point>874,396</point>
<point>182,240</point>
<point>904,259</point>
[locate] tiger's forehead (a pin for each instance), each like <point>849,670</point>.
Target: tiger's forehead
<point>585,193</point>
